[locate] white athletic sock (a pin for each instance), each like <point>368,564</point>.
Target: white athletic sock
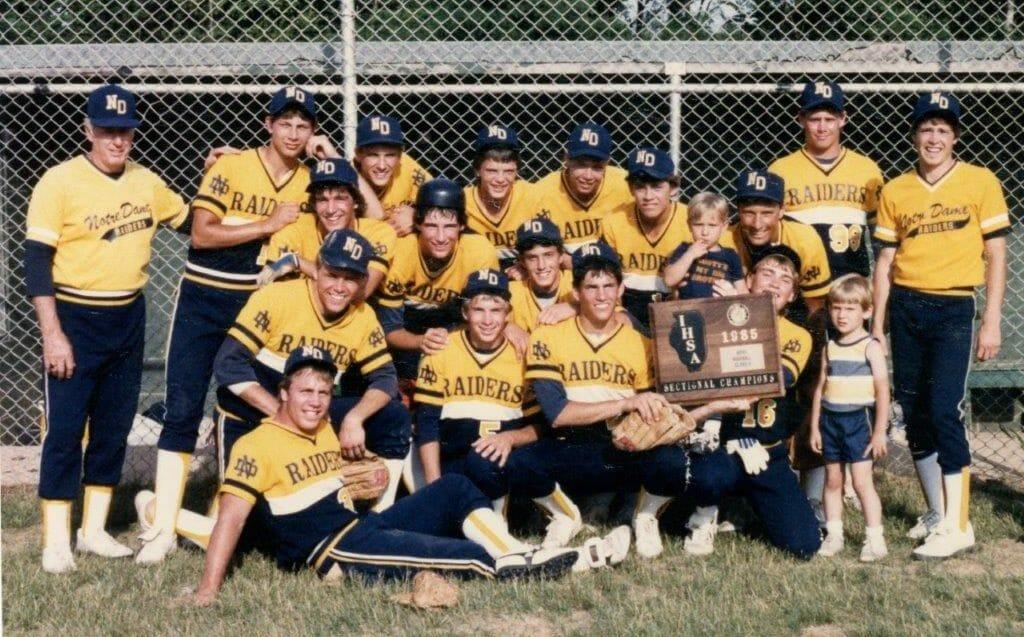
<point>650,503</point>
<point>487,528</point>
<point>56,523</point>
<point>813,481</point>
<point>557,503</point>
<point>834,528</point>
<point>195,527</point>
<point>702,516</point>
<point>394,477</point>
<point>500,506</point>
<point>873,531</point>
<point>171,474</point>
<point>930,474</point>
<point>958,496</point>
<point>95,508</point>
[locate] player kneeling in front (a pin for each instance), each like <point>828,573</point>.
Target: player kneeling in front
<point>753,461</point>
<point>287,473</point>
<point>585,371</point>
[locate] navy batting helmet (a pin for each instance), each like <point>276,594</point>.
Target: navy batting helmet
<point>441,193</point>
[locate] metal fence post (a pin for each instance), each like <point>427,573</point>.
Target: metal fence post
<point>348,75</point>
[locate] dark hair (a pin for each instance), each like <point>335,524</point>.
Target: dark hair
<point>530,244</point>
<point>293,109</point>
<point>499,154</point>
<point>420,215</point>
<point>634,181</point>
<point>955,125</point>
<point>357,196</point>
<point>596,265</point>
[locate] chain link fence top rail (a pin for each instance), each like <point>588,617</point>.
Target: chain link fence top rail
<point>712,80</point>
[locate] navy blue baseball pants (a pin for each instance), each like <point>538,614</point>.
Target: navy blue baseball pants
<point>422,531</point>
<point>202,317</point>
<point>580,467</point>
<point>774,495</point>
<point>932,339</point>
<point>107,344</point>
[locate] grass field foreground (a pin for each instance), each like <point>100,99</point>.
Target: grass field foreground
<point>745,588</point>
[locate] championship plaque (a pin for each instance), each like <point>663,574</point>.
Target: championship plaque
<point>722,347</point>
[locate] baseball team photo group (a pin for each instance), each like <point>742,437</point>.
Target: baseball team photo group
<point>537,390</point>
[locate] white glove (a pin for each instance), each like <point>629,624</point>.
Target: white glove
<point>705,440</point>
<point>274,271</point>
<point>750,451</point>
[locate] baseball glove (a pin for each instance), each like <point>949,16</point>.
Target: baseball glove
<point>633,433</point>
<point>364,479</point>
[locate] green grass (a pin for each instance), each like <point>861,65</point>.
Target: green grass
<point>745,588</point>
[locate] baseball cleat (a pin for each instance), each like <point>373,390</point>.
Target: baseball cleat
<point>561,530</point>
<point>101,543</point>
<point>701,540</point>
<point>926,525</point>
<point>601,552</point>
<point>156,546</point>
<point>648,536</point>
<point>536,564</point>
<point>945,542</point>
<point>58,559</point>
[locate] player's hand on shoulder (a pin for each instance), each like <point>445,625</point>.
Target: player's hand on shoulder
<point>514,273</point>
<point>58,355</point>
<point>284,213</point>
<point>518,338</point>
<point>217,153</point>
<point>400,218</point>
<point>434,340</point>
<point>319,147</point>
<point>556,313</point>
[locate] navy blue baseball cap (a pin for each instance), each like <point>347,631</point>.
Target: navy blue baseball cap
<point>346,249</point>
<point>379,129</point>
<point>937,104</point>
<point>598,250</point>
<point>333,172</point>
<point>487,281</point>
<point>760,185</point>
<point>589,140</point>
<point>539,230</point>
<point>111,106</point>
<point>823,94</point>
<point>310,356</point>
<point>781,250</point>
<point>496,136</point>
<point>651,163</point>
<point>292,96</point>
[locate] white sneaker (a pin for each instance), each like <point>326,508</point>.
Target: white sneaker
<point>561,530</point>
<point>946,541</point>
<point>832,545</point>
<point>648,535</point>
<point>701,540</point>
<point>58,559</point>
<point>101,543</point>
<point>156,546</point>
<point>926,524</point>
<point>725,526</point>
<point>536,564</point>
<point>602,552</point>
<point>874,549</point>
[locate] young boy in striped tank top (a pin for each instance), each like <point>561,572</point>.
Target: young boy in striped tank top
<point>849,414</point>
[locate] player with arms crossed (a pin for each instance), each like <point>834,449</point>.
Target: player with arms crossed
<point>90,228</point>
<point>585,372</point>
<point>472,395</point>
<point>419,300</point>
<point>943,230</point>
<point>753,460</point>
<point>499,201</point>
<point>645,232</point>
<point>338,203</point>
<point>243,199</point>
<point>327,312</point>
<point>392,173</point>
<point>287,473</point>
<point>586,189</point>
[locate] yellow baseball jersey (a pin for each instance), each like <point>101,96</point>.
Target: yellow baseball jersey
<point>101,227</point>
<point>795,347</point>
<point>294,481</point>
<point>642,258</point>
<point>521,205</point>
<point>849,383</point>
<point>578,223</point>
<point>285,315</point>
<point>527,305</point>
<point>478,393</point>
<point>411,283</point>
<point>815,274</point>
<point>404,185</point>
<point>939,229</point>
<point>238,190</point>
<point>304,239</point>
<point>591,371</point>
<point>838,200</point>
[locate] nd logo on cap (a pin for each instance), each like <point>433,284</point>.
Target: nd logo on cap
<point>116,105</point>
<point>380,126</point>
<point>590,137</point>
<point>295,93</point>
<point>940,100</point>
<point>497,132</point>
<point>353,248</point>
<point>325,167</point>
<point>591,250</point>
<point>757,181</point>
<point>645,158</point>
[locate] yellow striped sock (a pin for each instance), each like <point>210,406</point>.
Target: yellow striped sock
<point>95,508</point>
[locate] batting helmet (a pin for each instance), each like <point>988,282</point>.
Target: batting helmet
<point>441,193</point>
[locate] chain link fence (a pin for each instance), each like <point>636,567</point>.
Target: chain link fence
<point>714,81</point>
